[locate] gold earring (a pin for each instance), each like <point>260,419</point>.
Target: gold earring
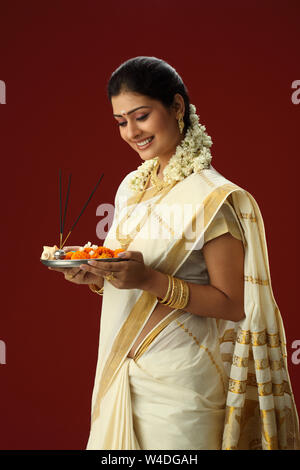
<point>180,124</point>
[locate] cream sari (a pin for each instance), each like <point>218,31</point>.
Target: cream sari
<point>195,382</point>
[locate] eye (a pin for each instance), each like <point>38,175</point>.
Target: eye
<point>142,117</point>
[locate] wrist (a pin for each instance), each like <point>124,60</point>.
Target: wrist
<point>95,289</point>
<point>149,279</point>
<point>99,282</point>
<point>155,282</point>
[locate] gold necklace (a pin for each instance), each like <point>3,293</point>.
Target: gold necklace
<point>125,240</point>
<point>155,180</point>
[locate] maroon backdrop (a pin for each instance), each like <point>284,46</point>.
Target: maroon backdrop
<point>240,61</point>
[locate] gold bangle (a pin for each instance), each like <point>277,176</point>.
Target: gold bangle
<point>178,300</point>
<point>175,301</point>
<point>95,289</point>
<point>181,300</point>
<point>177,295</point>
<point>162,301</point>
<point>186,295</point>
<point>173,291</point>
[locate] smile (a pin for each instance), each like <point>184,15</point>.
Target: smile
<point>144,143</point>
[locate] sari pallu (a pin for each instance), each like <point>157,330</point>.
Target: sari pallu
<point>260,411</point>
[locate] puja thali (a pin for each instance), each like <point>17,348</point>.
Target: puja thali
<point>73,263</point>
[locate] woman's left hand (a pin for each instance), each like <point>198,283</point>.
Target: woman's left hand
<point>131,274</point>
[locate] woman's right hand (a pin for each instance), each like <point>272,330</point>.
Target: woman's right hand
<point>76,275</point>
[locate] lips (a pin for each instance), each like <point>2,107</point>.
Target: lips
<point>145,142</point>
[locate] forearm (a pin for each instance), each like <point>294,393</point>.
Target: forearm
<point>204,300</point>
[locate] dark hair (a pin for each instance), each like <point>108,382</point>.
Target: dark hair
<point>151,77</point>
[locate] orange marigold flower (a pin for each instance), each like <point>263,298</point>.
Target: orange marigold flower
<point>69,255</point>
<point>104,255</point>
<point>103,249</point>
<point>118,250</point>
<point>80,255</point>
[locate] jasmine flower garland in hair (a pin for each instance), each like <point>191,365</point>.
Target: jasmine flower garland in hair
<point>192,155</point>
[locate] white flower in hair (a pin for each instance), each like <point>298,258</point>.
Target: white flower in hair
<point>191,155</point>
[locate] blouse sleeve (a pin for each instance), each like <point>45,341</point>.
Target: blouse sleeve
<point>224,221</point>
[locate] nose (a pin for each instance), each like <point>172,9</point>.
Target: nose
<point>133,130</point>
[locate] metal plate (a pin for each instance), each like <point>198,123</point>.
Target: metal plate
<point>73,263</point>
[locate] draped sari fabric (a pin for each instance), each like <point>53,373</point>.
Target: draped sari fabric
<point>195,382</point>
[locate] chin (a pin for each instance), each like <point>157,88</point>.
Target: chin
<point>145,157</point>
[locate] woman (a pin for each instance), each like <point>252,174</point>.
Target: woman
<point>192,349</point>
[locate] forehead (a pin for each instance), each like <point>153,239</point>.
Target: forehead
<point>126,101</point>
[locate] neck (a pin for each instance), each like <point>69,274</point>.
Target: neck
<point>164,159</point>
<point>162,166</point>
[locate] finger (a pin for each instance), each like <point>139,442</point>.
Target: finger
<point>61,270</point>
<point>73,271</point>
<point>77,278</point>
<point>131,255</point>
<point>71,277</point>
<point>70,271</point>
<point>104,270</point>
<point>95,271</point>
<point>103,265</point>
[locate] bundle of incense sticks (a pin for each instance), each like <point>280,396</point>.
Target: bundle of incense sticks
<point>62,216</point>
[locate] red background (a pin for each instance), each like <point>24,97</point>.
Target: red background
<point>238,60</point>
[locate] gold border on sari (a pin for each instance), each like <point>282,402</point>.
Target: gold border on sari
<point>148,340</point>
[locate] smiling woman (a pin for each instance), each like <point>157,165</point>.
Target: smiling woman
<point>150,128</point>
<point>192,347</point>
<point>147,100</point>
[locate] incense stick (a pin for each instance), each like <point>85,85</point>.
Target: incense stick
<point>83,209</point>
<point>66,203</point>
<point>60,210</point>
<point>62,218</point>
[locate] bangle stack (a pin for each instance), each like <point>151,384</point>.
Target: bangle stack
<point>177,295</point>
<point>96,289</point>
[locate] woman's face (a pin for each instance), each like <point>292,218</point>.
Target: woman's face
<point>147,125</point>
